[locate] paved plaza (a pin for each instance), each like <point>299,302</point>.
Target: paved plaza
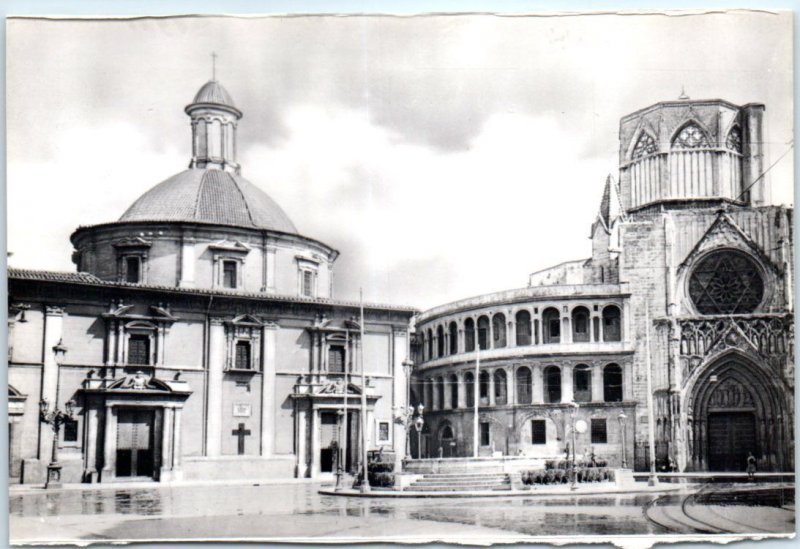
<point>299,512</point>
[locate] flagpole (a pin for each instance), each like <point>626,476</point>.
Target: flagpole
<point>365,478</point>
<point>652,480</point>
<point>348,359</point>
<point>475,396</point>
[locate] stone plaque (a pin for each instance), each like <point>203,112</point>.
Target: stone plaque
<point>242,410</point>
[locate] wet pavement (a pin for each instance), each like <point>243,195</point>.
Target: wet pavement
<point>299,512</point>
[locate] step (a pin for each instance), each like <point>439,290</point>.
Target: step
<point>461,481</point>
<point>464,479</point>
<point>458,488</point>
<point>463,475</point>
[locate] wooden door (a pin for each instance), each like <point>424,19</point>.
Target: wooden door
<point>731,435</point>
<point>135,438</point>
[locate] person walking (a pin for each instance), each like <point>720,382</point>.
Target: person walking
<point>751,466</point>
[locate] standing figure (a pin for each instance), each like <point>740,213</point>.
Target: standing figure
<point>751,466</point>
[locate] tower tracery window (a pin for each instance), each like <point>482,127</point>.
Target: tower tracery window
<point>690,137</point>
<point>734,140</point>
<point>646,145</point>
<point>726,282</point>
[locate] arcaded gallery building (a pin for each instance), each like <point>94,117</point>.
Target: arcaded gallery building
<point>199,338</point>
<point>689,283</point>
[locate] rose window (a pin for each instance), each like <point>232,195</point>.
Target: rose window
<point>691,137</point>
<point>726,282</point>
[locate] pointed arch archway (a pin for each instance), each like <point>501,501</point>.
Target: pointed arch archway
<point>735,405</point>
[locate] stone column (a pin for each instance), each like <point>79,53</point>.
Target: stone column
<point>269,338</point>
<point>597,383</point>
<point>302,438</point>
<point>437,401</point>
<point>314,442</point>
<point>462,390</point>
<point>511,331</point>
<point>491,386</point>
<point>166,443</point>
<point>187,263</point>
<point>537,330</point>
<point>490,343</point>
<point>591,320</point>
<point>109,444</point>
<point>216,365</point>
<point>566,328</point>
<point>566,384</point>
<point>537,384</point>
<point>53,329</point>
<point>511,385</point>
<point>92,435</point>
<point>176,439</point>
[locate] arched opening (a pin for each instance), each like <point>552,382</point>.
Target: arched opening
<point>524,385</point>
<point>469,385</point>
<point>612,323</point>
<point>447,441</point>
<point>552,384</point>
<point>523,323</point>
<point>484,388</point>
<point>612,383</point>
<point>439,342</point>
<point>453,329</point>
<point>430,344</point>
<point>737,409</point>
<point>582,383</point>
<point>469,335</point>
<point>690,136</point>
<point>453,390</point>
<point>499,330</point>
<point>483,332</point>
<point>440,393</point>
<point>500,389</point>
<point>551,325</point>
<point>580,324</point>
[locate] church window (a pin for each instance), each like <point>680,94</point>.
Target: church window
<point>336,359</point>
<point>599,431</point>
<point>439,341</point>
<point>453,338</point>
<point>690,137</point>
<point>582,383</point>
<point>612,383</point>
<point>308,284</point>
<point>538,431</point>
<point>484,387</point>
<point>524,380</point>
<point>469,335</point>
<point>500,389</point>
<point>430,344</point>
<point>243,358</point>
<point>139,349</point>
<point>469,383</point>
<point>580,324</point>
<point>523,322</point>
<point>383,431</point>
<point>499,330</point>
<point>229,274</point>
<point>551,325</point>
<point>453,381</point>
<point>734,140</point>
<point>483,332</point>
<point>726,282</point>
<point>646,145</point>
<point>612,323</point>
<point>485,434</point>
<point>552,384</point>
<point>71,430</point>
<point>132,269</point>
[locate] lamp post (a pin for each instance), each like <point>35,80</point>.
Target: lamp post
<point>419,423</point>
<point>622,418</point>
<point>573,413</point>
<point>408,365</point>
<point>55,418</point>
<point>337,451</point>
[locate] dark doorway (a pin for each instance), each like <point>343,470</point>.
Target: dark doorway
<point>135,450</point>
<point>731,435</point>
<point>328,439</point>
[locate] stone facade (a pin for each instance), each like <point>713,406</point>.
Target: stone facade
<point>200,339</point>
<point>698,272</point>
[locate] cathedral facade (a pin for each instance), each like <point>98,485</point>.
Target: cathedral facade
<point>678,327</point>
<point>199,339</point>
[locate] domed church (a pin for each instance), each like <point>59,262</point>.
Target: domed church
<point>672,345</point>
<point>199,339</point>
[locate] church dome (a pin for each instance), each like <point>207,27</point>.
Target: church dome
<point>213,92</point>
<point>210,196</point>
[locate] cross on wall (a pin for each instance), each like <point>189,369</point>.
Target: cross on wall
<point>240,433</point>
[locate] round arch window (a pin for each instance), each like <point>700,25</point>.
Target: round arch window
<point>726,282</point>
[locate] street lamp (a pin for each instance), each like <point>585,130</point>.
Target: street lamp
<point>622,418</point>
<point>55,418</point>
<point>419,423</point>
<point>573,413</point>
<point>337,452</point>
<point>408,365</point>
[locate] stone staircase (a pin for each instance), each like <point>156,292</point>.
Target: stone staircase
<point>460,482</point>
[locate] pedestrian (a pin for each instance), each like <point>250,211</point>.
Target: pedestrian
<point>751,466</point>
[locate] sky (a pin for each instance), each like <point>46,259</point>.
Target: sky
<point>443,156</point>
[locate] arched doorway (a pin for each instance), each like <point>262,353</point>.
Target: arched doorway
<point>737,407</point>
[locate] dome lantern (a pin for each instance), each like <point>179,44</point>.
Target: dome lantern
<point>214,119</point>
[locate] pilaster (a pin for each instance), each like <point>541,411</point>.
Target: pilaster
<point>269,339</point>
<point>216,366</point>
